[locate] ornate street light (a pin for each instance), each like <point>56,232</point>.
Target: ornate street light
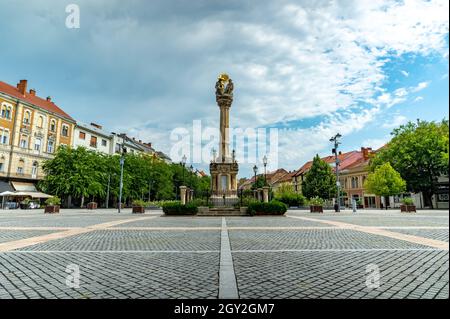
<point>122,162</point>
<point>265,171</point>
<point>335,140</point>
<point>183,164</point>
<point>255,170</point>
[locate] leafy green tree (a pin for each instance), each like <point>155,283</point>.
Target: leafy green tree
<point>260,182</point>
<point>319,180</point>
<point>420,153</point>
<point>385,181</point>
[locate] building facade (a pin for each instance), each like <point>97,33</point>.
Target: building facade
<point>92,137</point>
<point>31,130</point>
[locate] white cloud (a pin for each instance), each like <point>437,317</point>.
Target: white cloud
<point>396,121</point>
<point>418,99</point>
<point>421,86</point>
<point>406,74</point>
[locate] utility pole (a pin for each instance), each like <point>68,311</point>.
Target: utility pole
<point>122,162</point>
<point>335,140</point>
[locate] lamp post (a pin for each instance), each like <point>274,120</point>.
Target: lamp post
<point>150,184</point>
<point>265,171</point>
<point>183,164</point>
<point>335,140</point>
<point>122,162</point>
<point>255,170</point>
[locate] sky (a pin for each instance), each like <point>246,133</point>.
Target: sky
<point>309,69</point>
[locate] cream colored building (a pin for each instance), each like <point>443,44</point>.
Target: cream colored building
<point>31,129</point>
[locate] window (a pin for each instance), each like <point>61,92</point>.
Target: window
<point>40,122</point>
<point>20,167</point>
<point>34,170</point>
<point>26,117</point>
<point>82,136</point>
<point>6,111</point>
<point>354,182</point>
<point>2,163</point>
<point>50,146</point>
<point>104,143</point>
<point>37,144</point>
<point>23,143</point>
<point>53,126</point>
<point>118,148</point>
<point>4,136</point>
<point>93,142</point>
<point>65,130</point>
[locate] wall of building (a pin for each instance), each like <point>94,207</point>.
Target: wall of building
<point>103,143</point>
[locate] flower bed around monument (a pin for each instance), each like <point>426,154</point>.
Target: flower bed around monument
<point>273,207</point>
<point>176,208</point>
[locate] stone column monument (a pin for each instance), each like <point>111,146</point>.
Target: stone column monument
<point>224,168</point>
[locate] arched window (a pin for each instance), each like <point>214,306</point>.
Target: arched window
<point>50,146</point>
<point>4,136</point>
<point>6,111</point>
<point>34,169</point>
<point>37,144</point>
<point>20,167</point>
<point>53,126</point>
<point>65,130</point>
<point>27,117</point>
<point>23,143</point>
<point>40,122</point>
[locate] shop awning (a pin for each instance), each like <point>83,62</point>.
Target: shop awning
<point>5,187</point>
<point>25,194</point>
<point>24,187</point>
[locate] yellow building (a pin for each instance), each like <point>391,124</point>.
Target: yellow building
<point>31,129</point>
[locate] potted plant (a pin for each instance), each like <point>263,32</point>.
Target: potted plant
<point>359,204</point>
<point>408,205</point>
<point>316,205</point>
<point>92,205</point>
<point>138,206</point>
<point>52,205</point>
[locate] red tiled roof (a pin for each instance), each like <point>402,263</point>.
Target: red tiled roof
<point>32,99</point>
<point>346,159</point>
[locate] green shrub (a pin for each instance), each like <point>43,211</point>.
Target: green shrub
<point>271,208</point>
<point>291,199</point>
<point>53,201</point>
<point>316,201</point>
<point>407,201</point>
<point>176,208</point>
<point>139,202</point>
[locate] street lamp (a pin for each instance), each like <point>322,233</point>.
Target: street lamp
<point>255,170</point>
<point>335,140</point>
<point>183,164</point>
<point>265,172</point>
<point>214,153</point>
<point>122,162</point>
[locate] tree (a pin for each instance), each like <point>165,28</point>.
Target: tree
<point>385,181</point>
<point>420,153</point>
<point>319,180</point>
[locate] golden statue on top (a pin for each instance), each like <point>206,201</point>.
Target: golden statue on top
<point>221,89</point>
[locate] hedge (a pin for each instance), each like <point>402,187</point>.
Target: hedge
<point>271,208</point>
<point>176,208</point>
<point>291,200</point>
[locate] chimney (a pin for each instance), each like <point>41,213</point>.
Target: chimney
<point>365,151</point>
<point>33,92</point>
<point>22,86</point>
<point>49,98</point>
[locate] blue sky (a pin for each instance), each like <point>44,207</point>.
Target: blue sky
<point>308,68</point>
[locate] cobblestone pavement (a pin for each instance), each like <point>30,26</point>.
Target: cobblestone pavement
<point>151,256</point>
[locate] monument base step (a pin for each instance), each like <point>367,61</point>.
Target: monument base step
<point>222,211</point>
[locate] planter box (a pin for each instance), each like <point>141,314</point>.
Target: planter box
<point>92,205</point>
<point>138,209</point>
<point>408,208</point>
<point>51,209</point>
<point>316,209</point>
